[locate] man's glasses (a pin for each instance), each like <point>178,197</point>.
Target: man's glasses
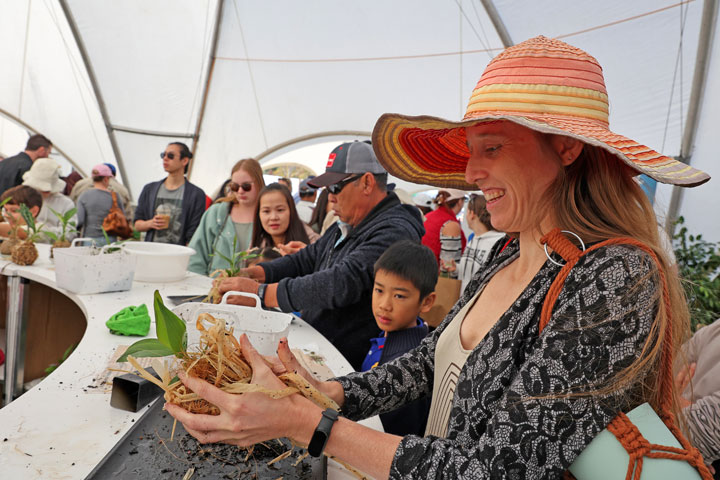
<point>234,187</point>
<point>336,188</point>
<point>169,155</point>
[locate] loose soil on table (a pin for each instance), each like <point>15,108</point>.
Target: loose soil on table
<point>146,452</point>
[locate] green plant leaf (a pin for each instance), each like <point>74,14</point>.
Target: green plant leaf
<point>27,216</point>
<point>147,347</point>
<point>52,236</point>
<point>69,214</point>
<point>171,330</point>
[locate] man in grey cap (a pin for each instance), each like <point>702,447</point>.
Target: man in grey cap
<point>330,282</point>
<point>306,205</point>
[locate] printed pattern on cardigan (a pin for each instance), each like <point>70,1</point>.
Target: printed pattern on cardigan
<point>502,423</point>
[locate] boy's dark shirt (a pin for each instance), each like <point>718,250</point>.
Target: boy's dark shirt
<point>411,418</point>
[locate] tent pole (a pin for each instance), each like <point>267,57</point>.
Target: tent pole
<point>498,23</point>
<point>206,88</point>
<point>96,89</point>
<point>15,119</point>
<point>279,146</point>
<point>705,41</point>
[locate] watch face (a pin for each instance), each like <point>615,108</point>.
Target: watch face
<point>322,432</point>
<point>317,443</point>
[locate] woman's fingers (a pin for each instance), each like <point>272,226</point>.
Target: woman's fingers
<point>287,358</point>
<point>262,374</point>
<point>207,391</point>
<point>195,421</point>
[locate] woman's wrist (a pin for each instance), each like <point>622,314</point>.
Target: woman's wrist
<point>334,390</point>
<point>304,415</point>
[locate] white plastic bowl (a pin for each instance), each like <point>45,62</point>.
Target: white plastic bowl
<point>159,262</point>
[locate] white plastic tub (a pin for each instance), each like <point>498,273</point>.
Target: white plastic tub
<point>87,270</point>
<point>264,328</point>
<point>159,262</point>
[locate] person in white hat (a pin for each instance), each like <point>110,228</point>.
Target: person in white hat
<point>44,176</point>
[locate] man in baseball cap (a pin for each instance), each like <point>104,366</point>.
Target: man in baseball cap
<point>347,160</point>
<point>331,280</point>
<point>306,205</point>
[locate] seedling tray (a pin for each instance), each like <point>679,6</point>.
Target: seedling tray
<point>146,452</point>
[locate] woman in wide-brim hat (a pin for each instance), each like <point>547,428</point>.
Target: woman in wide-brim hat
<point>519,387</point>
<point>44,176</point>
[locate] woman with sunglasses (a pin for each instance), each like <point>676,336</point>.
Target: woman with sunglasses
<point>558,336</point>
<point>277,223</point>
<point>227,226</point>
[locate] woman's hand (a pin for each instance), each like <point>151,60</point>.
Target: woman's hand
<point>290,247</point>
<point>245,419</point>
<point>287,362</point>
<point>239,284</point>
<point>682,380</point>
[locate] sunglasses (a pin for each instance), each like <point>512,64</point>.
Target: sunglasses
<point>246,186</point>
<point>169,155</point>
<point>336,188</point>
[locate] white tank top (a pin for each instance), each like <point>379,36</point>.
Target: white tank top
<point>450,356</point>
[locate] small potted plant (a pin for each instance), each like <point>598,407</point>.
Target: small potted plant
<point>237,262</point>
<point>25,252</point>
<point>67,227</point>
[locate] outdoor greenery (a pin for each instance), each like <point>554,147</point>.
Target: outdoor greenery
<point>699,266</point>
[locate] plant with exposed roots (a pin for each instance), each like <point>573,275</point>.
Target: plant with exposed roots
<point>237,261</point>
<point>217,359</point>
<point>25,252</point>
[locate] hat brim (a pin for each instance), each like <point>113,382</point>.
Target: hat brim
<point>433,151</point>
<point>57,185</point>
<point>328,178</point>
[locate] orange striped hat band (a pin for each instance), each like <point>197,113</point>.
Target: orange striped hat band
<point>543,84</point>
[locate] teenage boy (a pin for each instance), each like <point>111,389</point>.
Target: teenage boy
<point>170,210</point>
<point>405,278</point>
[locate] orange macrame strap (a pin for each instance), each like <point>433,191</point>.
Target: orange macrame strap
<point>638,448</point>
<point>623,429</point>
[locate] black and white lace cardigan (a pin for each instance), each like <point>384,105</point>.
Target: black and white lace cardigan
<point>498,427</point>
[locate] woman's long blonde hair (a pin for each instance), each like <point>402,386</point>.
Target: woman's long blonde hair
<point>597,198</point>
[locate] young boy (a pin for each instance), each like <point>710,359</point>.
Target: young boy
<point>405,278</point>
<point>11,215</point>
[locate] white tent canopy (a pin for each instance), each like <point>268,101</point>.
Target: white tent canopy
<point>116,81</point>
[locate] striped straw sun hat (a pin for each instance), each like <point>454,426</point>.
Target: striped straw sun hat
<point>543,84</point>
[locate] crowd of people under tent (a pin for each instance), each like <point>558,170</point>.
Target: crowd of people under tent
<point>525,370</point>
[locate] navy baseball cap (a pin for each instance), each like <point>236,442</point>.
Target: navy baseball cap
<point>346,160</point>
<point>305,187</point>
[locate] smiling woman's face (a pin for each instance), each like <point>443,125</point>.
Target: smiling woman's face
<point>274,213</point>
<point>513,166</point>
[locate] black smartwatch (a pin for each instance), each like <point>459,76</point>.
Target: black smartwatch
<point>261,294</point>
<point>322,432</point>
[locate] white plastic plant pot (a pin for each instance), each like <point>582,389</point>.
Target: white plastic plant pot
<point>159,262</point>
<point>264,328</point>
<point>87,270</point>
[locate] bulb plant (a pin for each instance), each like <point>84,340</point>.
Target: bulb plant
<point>25,252</point>
<point>237,261</point>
